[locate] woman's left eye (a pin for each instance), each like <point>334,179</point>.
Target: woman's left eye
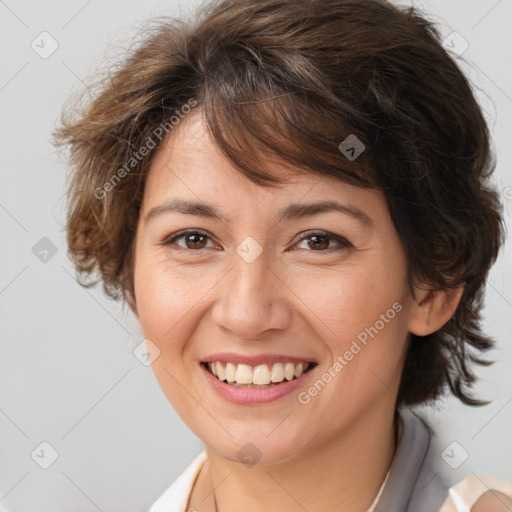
<point>319,241</point>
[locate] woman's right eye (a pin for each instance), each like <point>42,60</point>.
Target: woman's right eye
<point>193,240</point>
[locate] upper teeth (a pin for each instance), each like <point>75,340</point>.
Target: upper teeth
<point>261,374</point>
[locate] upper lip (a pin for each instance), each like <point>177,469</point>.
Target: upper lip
<point>232,357</point>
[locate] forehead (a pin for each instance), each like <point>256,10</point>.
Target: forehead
<point>190,151</point>
<point>190,166</point>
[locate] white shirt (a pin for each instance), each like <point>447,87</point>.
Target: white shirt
<point>461,496</point>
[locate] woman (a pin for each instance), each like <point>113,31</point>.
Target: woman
<point>293,199</point>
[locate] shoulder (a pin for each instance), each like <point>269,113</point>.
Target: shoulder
<point>176,497</point>
<point>479,493</point>
<point>493,501</point>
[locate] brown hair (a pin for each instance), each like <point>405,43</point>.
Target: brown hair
<point>293,79</point>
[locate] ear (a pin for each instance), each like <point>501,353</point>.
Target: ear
<point>432,308</point>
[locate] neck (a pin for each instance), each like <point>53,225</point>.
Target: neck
<point>344,474</point>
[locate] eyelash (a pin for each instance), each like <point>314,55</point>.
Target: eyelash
<point>343,242</point>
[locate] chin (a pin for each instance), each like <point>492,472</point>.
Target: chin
<point>256,448</point>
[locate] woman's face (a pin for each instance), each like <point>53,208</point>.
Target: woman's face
<point>266,284</point>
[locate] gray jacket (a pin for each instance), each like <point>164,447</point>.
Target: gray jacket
<point>415,483</point>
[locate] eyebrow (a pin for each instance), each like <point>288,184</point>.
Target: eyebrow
<point>292,211</point>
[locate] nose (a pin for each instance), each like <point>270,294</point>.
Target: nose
<point>251,300</point>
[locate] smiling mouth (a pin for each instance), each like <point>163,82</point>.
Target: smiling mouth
<point>260,376</point>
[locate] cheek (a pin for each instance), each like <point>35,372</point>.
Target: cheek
<point>167,297</point>
<point>359,317</point>
<point>341,303</point>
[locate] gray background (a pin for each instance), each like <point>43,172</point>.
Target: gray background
<point>68,375</point>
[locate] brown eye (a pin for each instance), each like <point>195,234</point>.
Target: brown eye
<point>192,240</point>
<point>195,241</point>
<point>320,241</point>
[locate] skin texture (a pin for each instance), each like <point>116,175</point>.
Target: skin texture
<point>493,501</point>
<point>294,299</point>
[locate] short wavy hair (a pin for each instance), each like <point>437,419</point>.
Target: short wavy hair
<point>292,79</point>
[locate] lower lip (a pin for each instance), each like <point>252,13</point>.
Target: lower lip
<point>249,396</point>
